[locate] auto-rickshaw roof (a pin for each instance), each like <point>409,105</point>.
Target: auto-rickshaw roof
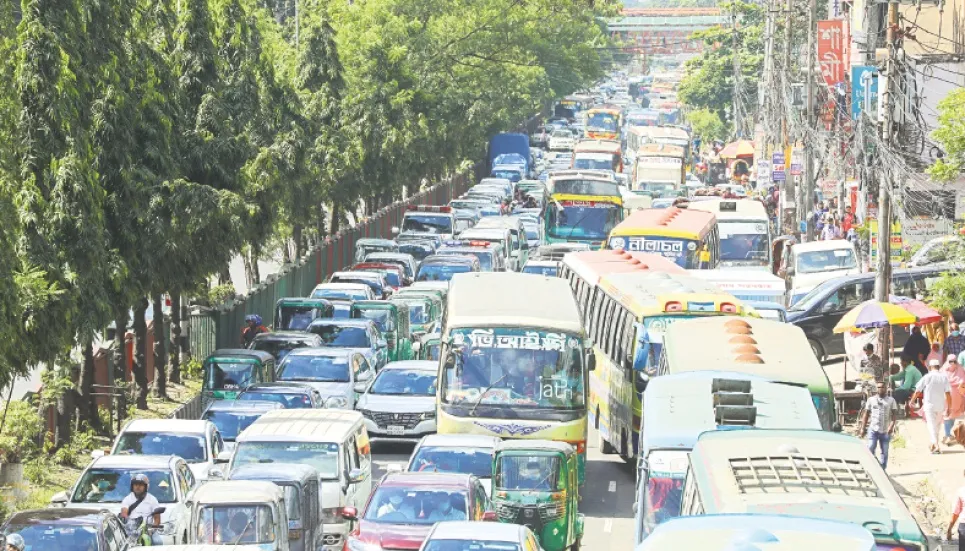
<point>535,445</point>
<point>237,491</point>
<point>381,304</point>
<point>276,473</point>
<point>303,301</point>
<point>242,354</point>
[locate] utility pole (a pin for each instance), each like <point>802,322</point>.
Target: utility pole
<point>738,107</point>
<point>883,277</point>
<point>806,191</point>
<point>788,191</point>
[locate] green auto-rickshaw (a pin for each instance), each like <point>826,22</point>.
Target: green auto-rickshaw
<point>297,313</point>
<point>437,298</point>
<point>535,484</point>
<point>428,346</point>
<point>229,371</point>
<point>392,318</point>
<point>424,313</point>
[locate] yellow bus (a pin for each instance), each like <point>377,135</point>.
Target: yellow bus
<point>603,123</point>
<point>659,169</point>
<point>626,317</point>
<point>689,237</point>
<point>583,207</point>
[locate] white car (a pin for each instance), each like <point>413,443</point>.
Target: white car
<point>107,481</point>
<point>479,535</point>
<point>400,404</point>
<point>197,442</point>
<point>562,140</point>
<point>455,453</point>
<point>343,291</point>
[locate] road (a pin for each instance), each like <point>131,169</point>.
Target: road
<point>607,500</point>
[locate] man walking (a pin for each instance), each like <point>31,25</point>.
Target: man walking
<point>955,341</point>
<point>879,417</point>
<point>936,394</point>
<point>953,524</point>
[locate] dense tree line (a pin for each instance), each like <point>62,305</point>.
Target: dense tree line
<point>143,143</point>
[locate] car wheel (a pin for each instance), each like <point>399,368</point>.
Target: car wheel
<point>605,447</point>
<point>817,349</point>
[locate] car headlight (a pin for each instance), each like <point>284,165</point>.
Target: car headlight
<point>330,515</point>
<point>359,545</point>
<point>429,415</point>
<point>335,402</point>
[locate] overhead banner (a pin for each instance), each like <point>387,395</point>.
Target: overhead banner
<point>831,49</point>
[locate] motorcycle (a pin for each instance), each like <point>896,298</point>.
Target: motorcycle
<point>140,533</point>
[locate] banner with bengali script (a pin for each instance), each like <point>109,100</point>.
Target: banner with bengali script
<point>831,51</point>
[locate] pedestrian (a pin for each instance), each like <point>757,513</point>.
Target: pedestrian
<point>906,379</point>
<point>879,417</point>
<point>828,232</point>
<point>935,354</point>
<point>917,348</point>
<point>936,399</point>
<point>954,342</point>
<point>848,221</point>
<point>956,514</point>
<point>956,379</point>
<point>872,364</point>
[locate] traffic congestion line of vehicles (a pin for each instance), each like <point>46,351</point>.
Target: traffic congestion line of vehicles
<point>493,332</point>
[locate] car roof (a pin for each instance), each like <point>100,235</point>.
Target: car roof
<point>167,425</point>
<point>356,274</point>
<point>274,472</point>
<point>285,336</point>
<point>374,241</point>
<point>279,387</point>
<point>352,322</point>
<point>449,259</point>
<point>390,256</point>
<point>489,531</point>
<point>419,365</point>
<point>343,286</point>
<point>59,515</point>
<point>242,353</point>
<point>243,405</point>
<point>439,481</point>
<point>302,425</point>
<point>460,440</point>
<point>829,245</point>
<point>326,351</point>
<point>128,461</point>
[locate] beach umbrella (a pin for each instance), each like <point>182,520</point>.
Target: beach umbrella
<point>873,314</point>
<point>924,313</point>
<point>740,148</point>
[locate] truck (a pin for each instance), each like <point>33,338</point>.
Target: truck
<point>502,144</point>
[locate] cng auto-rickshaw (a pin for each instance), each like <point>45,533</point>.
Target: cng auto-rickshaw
<point>428,346</point>
<point>300,484</point>
<point>536,484</point>
<point>229,371</point>
<point>424,312</point>
<point>392,318</point>
<point>246,512</point>
<point>296,313</point>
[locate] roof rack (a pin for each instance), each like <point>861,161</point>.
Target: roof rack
<point>794,472</point>
<point>733,402</point>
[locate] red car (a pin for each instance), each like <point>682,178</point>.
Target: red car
<point>404,506</point>
<point>394,274</point>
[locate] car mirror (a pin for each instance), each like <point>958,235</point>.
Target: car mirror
<point>490,516</point>
<point>356,476</point>
<point>97,454</point>
<point>215,474</point>
<point>350,513</point>
<point>361,387</point>
<point>395,230</point>
<point>591,362</point>
<point>60,498</point>
<point>223,457</point>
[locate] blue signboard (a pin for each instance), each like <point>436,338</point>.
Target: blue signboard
<point>864,86</point>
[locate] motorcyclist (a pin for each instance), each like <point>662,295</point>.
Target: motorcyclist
<point>15,543</point>
<point>253,327</point>
<point>140,503</point>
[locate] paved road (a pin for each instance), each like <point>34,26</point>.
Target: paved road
<point>607,497</point>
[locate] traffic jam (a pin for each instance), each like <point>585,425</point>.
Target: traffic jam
<point>588,321</point>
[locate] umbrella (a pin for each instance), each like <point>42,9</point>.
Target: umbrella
<point>871,314</point>
<point>924,313</point>
<point>740,148</point>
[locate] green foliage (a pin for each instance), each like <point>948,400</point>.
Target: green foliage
<point>951,134</point>
<point>191,370</point>
<point>948,293</point>
<point>706,125</point>
<point>21,431</point>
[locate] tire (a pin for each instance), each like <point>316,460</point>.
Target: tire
<point>575,546</point>
<point>817,349</point>
<point>605,447</point>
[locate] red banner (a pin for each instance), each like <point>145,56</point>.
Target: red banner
<point>831,50</point>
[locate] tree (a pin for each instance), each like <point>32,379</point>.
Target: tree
<point>706,125</point>
<point>951,134</point>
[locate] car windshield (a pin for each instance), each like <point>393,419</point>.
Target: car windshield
<point>427,223</point>
<point>231,423</point>
<point>382,318</point>
<point>467,544</point>
<point>340,336</point>
<point>813,296</point>
<point>340,294</point>
<point>532,231</point>
<point>277,348</point>
<point>343,311</point>
<point>485,257</point>
<point>602,121</point>
<point>592,163</point>
<point>511,175</point>
<point>236,524</point>
<point>291,400</point>
<point>321,369</point>
<point>404,382</point>
<point>418,313</point>
<point>475,461</point>
<point>515,368</point>
<point>811,262</point>
<point>228,375</point>
<point>62,537</point>
<point>582,219</point>
<point>393,278</point>
<point>297,318</point>
<point>744,241</point>
<point>528,472</point>
<point>662,500</point>
<point>441,272</point>
<point>361,251</point>
<point>394,505</point>
<point>551,271</point>
<point>322,456</point>
<point>371,282</point>
<point>113,484</point>
<point>189,447</point>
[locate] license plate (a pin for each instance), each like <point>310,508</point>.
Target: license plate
<point>396,430</point>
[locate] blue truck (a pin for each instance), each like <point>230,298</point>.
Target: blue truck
<point>514,145</point>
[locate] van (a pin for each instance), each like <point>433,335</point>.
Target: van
<point>821,309</point>
<point>519,251</point>
<point>333,441</point>
<point>807,265</point>
<point>499,235</point>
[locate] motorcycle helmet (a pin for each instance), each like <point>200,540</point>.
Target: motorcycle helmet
<point>142,478</point>
<point>16,541</point>
<point>256,318</point>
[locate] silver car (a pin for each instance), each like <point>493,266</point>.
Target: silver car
<point>455,453</point>
<point>479,535</point>
<point>401,403</point>
<point>338,374</point>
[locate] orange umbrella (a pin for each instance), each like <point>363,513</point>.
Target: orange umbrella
<point>740,148</point>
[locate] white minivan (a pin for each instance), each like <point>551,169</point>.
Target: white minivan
<point>807,265</point>
<point>333,441</point>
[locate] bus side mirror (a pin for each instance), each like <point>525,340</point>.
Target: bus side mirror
<point>591,362</point>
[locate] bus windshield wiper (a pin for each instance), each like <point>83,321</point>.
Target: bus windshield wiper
<point>483,395</point>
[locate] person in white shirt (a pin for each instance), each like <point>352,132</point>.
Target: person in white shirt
<point>936,394</point>
<point>139,503</point>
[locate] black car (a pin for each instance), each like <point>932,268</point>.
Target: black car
<point>820,310</point>
<point>280,343</point>
<point>68,529</point>
<point>290,394</point>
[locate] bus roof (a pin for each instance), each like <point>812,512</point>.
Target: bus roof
<point>660,150</point>
<point>598,146</point>
<point>605,109</point>
<point>816,474</point>
<point>669,222</point>
<point>731,532</point>
<point>778,351</point>
<point>684,406</point>
<point>493,299</point>
<point>650,293</point>
<point>732,209</point>
<point>592,265</point>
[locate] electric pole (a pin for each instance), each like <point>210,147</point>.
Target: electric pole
<point>738,106</point>
<point>788,189</point>
<point>883,277</point>
<point>806,191</point>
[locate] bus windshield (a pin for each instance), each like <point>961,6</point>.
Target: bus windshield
<point>593,162</point>
<point>662,498</point>
<point>684,252</point>
<point>515,368</point>
<point>744,242</point>
<point>582,219</point>
<point>599,121</point>
<point>586,187</point>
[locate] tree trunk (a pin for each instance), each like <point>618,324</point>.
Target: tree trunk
<point>140,352</point>
<point>120,362</point>
<point>86,406</point>
<point>160,350</point>
<point>320,224</point>
<point>299,244</point>
<point>224,276</point>
<point>63,428</point>
<point>336,218</point>
<point>175,338</point>
<point>185,335</point>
